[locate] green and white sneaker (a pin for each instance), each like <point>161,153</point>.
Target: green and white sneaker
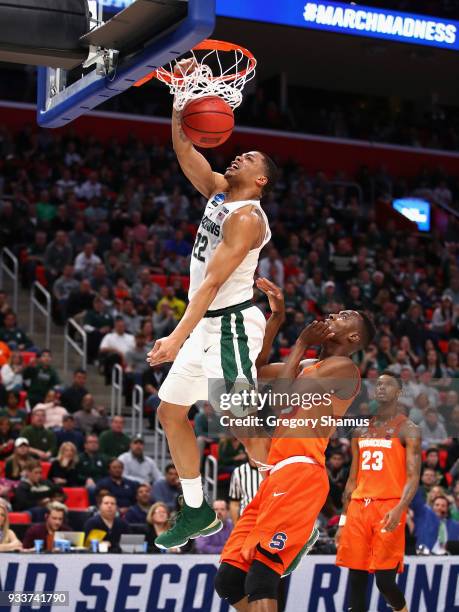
<point>190,523</point>
<point>303,552</point>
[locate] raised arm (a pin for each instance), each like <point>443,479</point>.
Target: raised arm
<point>277,305</point>
<point>194,165</point>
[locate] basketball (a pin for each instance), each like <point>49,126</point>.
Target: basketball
<point>208,122</point>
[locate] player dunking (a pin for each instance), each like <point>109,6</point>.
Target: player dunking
<point>384,477</point>
<point>272,534</point>
<point>221,333</point>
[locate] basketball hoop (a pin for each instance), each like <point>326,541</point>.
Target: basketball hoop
<point>221,70</point>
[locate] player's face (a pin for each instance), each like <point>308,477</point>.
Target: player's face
<point>344,324</point>
<point>248,168</point>
<point>386,389</point>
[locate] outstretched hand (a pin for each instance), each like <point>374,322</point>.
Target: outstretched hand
<point>274,293</point>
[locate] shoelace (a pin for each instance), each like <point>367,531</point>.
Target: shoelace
<point>175,519</point>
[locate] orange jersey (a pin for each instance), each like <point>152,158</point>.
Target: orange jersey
<point>382,462</point>
<point>313,446</point>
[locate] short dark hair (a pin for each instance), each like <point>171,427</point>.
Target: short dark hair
<point>396,377</point>
<point>169,466</point>
<point>32,464</point>
<point>108,495</point>
<point>271,173</point>
<point>368,329</point>
<point>440,497</point>
<point>79,371</point>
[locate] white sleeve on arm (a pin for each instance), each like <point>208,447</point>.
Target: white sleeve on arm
<point>235,486</point>
<point>105,344</point>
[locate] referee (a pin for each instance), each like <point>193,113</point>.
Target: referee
<point>244,484</point>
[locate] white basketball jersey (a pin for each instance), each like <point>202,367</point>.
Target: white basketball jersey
<point>239,286</point>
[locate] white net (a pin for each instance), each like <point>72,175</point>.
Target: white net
<point>216,73</point>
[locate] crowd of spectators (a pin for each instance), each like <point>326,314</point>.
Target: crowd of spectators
<point>109,228</point>
<point>355,116</point>
<point>427,123</point>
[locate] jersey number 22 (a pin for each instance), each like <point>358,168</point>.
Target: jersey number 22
<point>200,246</point>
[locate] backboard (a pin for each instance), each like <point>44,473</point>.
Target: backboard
<point>143,36</point>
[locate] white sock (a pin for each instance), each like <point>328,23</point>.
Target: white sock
<point>192,491</point>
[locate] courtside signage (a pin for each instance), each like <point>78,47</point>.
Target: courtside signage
<point>355,20</point>
<point>185,583</point>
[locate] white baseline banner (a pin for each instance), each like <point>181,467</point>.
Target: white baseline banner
<point>184,583</point>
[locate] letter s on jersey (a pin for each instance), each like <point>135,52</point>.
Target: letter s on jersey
<point>278,540</point>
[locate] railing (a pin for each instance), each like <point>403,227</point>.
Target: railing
<point>44,309</point>
<point>160,446</point>
<point>210,478</point>
<point>116,403</point>
<point>137,410</point>
<point>12,271</point>
<point>71,328</point>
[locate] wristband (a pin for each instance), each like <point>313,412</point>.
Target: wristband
<point>342,520</point>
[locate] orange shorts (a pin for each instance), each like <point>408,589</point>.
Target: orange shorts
<point>362,545</point>
<point>280,518</point>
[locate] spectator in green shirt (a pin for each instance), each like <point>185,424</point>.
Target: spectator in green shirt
<point>40,378</point>
<point>207,427</point>
<point>15,415</point>
<point>97,322</point>
<point>46,211</point>
<point>92,464</point>
<point>114,442</point>
<point>42,441</point>
<point>13,335</point>
<point>231,453</point>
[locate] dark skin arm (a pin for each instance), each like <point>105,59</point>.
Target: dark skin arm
<point>351,481</point>
<point>411,436</point>
<point>277,318</point>
<point>353,473</point>
<point>338,369</point>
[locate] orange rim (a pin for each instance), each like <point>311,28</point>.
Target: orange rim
<point>208,44</point>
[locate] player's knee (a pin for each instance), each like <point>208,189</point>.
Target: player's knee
<point>230,583</point>
<point>169,414</point>
<point>262,582</point>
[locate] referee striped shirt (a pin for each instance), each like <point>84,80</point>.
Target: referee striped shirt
<point>245,481</point>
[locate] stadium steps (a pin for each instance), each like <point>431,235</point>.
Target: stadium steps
<point>101,393</point>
